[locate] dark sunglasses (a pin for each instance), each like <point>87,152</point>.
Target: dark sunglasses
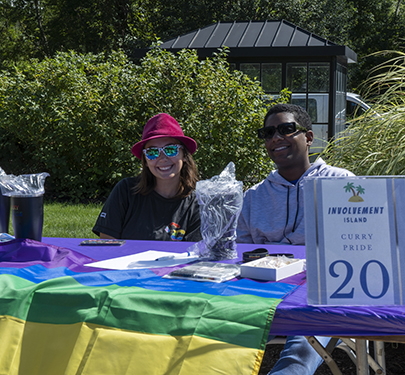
<point>283,129</point>
<point>170,151</point>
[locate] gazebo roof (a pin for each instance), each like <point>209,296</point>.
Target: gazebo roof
<point>256,39</point>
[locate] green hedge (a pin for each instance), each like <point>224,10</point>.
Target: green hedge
<point>76,117</point>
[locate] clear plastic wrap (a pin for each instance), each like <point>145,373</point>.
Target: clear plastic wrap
<point>206,271</point>
<point>26,199</point>
<point>220,199</point>
<point>4,210</point>
<point>27,185</point>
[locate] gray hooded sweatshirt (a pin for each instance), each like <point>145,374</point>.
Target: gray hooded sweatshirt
<point>273,210</point>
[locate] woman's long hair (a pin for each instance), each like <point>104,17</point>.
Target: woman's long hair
<point>188,177</point>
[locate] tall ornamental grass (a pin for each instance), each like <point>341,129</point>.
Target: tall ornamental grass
<point>374,143</point>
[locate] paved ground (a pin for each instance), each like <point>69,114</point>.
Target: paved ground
<point>394,357</point>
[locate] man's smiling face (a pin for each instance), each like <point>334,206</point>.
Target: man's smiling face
<point>287,151</point>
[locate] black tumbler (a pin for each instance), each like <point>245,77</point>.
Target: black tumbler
<point>4,213</point>
<point>27,214</point>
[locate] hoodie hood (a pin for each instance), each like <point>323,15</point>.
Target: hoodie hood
<point>316,169</point>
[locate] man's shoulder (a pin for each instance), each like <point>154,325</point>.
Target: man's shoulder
<point>329,170</point>
<point>321,169</point>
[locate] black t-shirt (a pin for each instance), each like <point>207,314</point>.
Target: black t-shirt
<point>133,216</point>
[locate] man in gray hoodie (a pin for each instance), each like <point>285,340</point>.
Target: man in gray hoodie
<point>273,210</point>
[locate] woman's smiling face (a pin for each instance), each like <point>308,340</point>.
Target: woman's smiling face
<point>163,167</point>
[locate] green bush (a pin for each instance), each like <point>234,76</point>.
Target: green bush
<point>76,117</point>
<point>73,113</point>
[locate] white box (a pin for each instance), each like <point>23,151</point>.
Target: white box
<point>257,269</point>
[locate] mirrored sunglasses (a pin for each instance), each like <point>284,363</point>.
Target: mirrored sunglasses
<point>283,129</point>
<point>170,151</point>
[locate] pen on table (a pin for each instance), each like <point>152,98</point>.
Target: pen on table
<point>168,257</point>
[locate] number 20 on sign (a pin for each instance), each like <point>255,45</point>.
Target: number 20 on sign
<point>355,252</point>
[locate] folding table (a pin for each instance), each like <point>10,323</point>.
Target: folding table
<point>292,315</point>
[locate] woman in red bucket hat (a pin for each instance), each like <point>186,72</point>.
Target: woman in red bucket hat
<point>159,204</point>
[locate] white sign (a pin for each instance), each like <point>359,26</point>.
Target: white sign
<point>355,240</point>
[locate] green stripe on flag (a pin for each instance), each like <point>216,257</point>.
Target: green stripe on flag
<point>236,320</point>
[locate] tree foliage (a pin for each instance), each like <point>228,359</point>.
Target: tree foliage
<point>181,16</point>
<point>327,18</point>
<point>41,28</point>
<point>76,116</point>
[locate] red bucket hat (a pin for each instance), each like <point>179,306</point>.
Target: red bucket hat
<point>159,126</point>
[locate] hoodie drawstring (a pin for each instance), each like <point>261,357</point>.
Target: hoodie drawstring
<point>298,206</point>
<point>286,222</point>
<point>296,214</point>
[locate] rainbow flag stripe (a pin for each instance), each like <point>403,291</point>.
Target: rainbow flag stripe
<point>60,317</point>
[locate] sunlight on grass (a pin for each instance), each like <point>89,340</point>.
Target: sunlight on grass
<point>68,220</point>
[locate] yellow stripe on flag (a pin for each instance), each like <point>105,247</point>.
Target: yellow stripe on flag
<point>86,349</point>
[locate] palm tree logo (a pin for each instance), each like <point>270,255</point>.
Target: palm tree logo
<point>351,188</point>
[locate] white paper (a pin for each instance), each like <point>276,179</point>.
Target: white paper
<point>146,259</point>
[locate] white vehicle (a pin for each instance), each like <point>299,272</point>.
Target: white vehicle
<point>355,106</point>
<point>318,109</point>
<point>318,105</point>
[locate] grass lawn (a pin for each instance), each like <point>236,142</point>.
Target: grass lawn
<point>68,220</point>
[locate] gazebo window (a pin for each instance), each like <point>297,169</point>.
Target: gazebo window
<point>318,77</point>
<point>340,107</point>
<point>297,77</point>
<point>268,74</point>
<point>271,77</point>
<point>309,83</point>
<point>252,70</point>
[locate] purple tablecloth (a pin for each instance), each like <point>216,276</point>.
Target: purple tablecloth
<point>293,315</point>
